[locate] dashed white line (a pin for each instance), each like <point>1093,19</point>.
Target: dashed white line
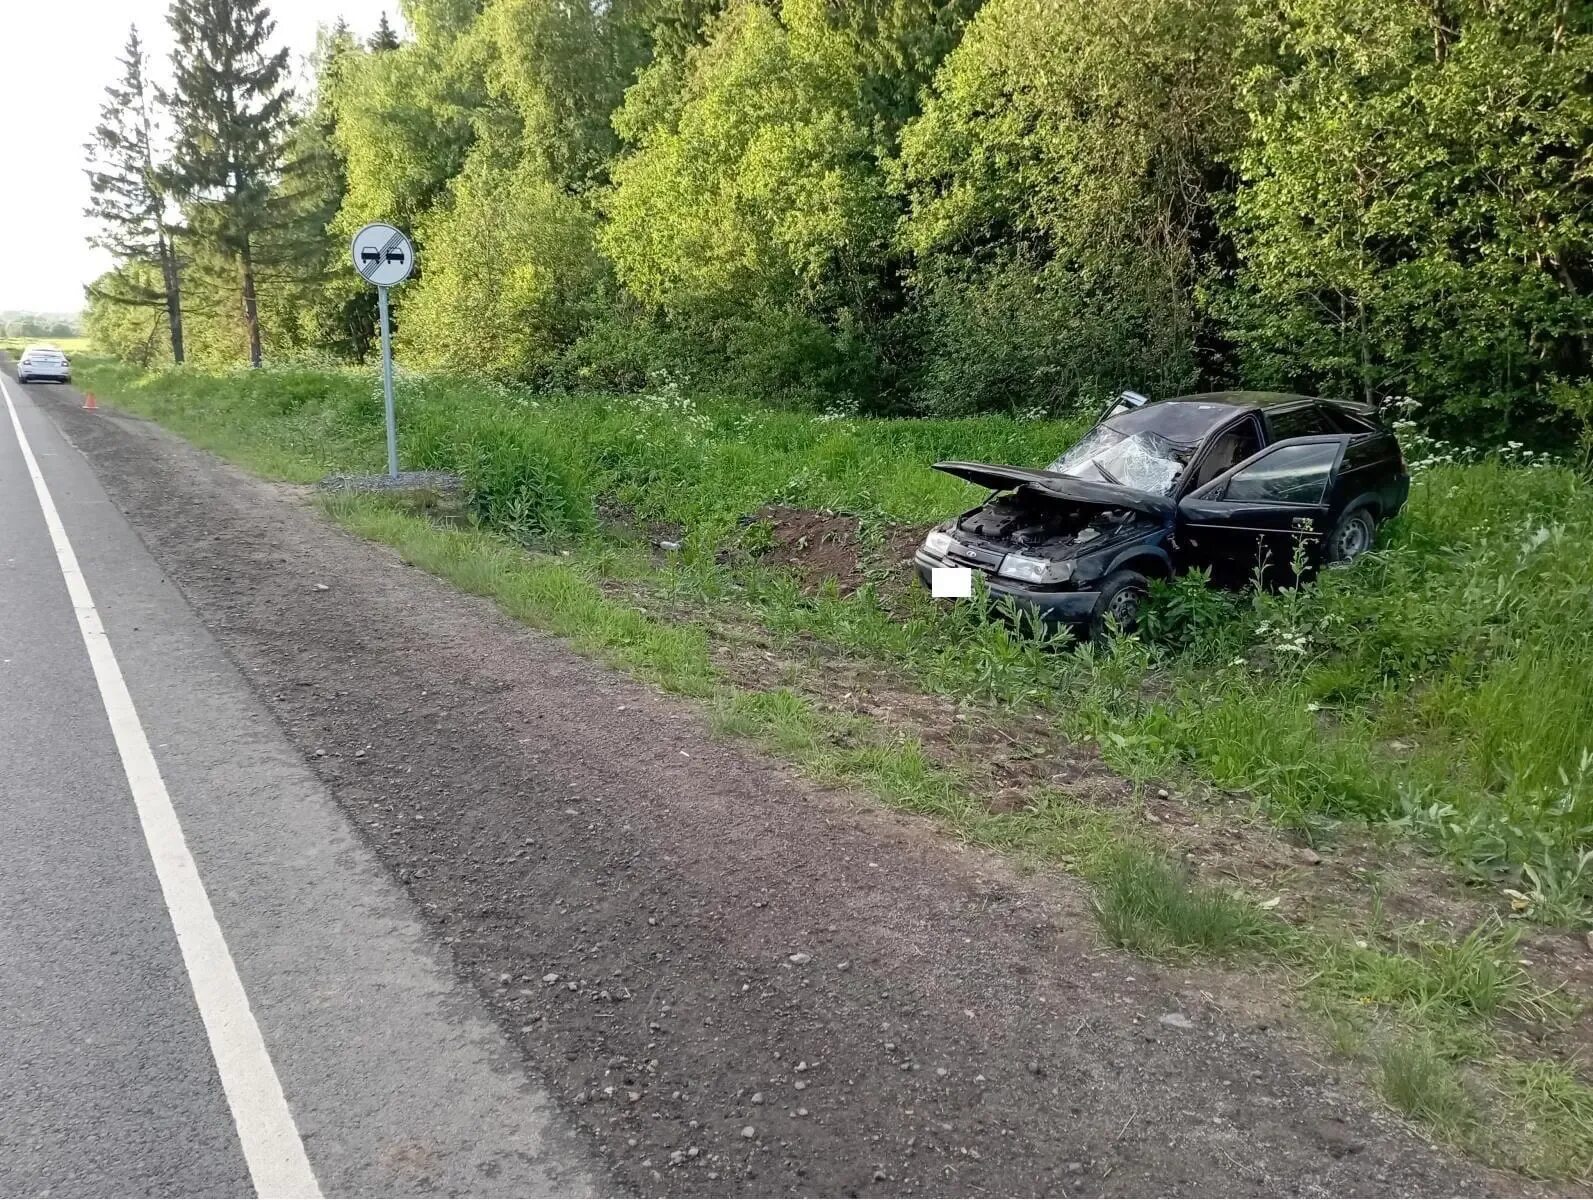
<point>272,1147</point>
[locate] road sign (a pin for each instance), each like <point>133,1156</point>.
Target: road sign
<point>383,255</point>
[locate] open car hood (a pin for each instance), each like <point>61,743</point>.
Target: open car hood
<point>1062,487</point>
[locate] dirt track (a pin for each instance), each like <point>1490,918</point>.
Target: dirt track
<point>685,941</point>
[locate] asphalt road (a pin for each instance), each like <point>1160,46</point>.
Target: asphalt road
<point>352,1061</point>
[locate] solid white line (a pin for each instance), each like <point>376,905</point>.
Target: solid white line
<point>270,1139</point>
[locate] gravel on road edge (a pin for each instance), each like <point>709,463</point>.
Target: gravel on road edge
<point>737,983</point>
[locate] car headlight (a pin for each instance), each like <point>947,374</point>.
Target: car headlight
<point>1036,570</point>
<point>938,542</point>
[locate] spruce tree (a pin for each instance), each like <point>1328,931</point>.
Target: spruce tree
<point>384,38</point>
<point>127,195</point>
<point>230,108</point>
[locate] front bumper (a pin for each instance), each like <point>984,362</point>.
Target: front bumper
<point>1056,607</point>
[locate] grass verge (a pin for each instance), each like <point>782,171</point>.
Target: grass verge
<point>1441,688</point>
<point>1424,1015</point>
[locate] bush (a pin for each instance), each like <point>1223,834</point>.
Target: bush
<point>1060,186</point>
<point>1187,612</point>
<point>512,277</point>
<point>1015,337</point>
<point>621,353</point>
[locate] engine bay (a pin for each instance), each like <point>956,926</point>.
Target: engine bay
<point>1045,526</point>
<point>1041,525</point>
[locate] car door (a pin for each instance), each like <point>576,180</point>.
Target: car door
<point>1261,512</point>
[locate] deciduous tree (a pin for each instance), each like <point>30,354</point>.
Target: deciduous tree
<point>1062,182</point>
<point>1413,216</point>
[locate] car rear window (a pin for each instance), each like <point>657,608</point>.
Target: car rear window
<point>1345,421</point>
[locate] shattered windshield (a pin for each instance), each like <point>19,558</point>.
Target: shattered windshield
<point>1144,461</point>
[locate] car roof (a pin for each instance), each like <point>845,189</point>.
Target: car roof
<point>1184,419</point>
<point>1189,419</point>
<point>1247,400</point>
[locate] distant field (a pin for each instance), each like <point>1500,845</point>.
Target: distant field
<point>72,346</point>
<point>1434,700</point>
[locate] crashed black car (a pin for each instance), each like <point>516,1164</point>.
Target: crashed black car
<point>1226,481</point>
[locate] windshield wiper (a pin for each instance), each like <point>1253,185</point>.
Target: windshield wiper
<point>1106,475</point>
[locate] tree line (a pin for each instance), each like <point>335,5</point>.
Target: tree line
<point>927,206</point>
<point>33,324</point>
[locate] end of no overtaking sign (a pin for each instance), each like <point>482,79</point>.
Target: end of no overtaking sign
<point>383,255</point>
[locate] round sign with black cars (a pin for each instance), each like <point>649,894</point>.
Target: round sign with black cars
<point>383,255</point>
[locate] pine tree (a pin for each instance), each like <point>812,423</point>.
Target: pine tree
<point>230,108</point>
<point>127,196</point>
<point>384,38</point>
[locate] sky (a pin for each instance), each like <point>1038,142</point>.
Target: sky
<point>59,55</point>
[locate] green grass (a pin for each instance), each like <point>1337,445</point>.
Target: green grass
<point>545,593</point>
<point>1554,1111</point>
<point>1442,689</point>
<point>1147,905</point>
<point>1421,1083</point>
<point>1478,976</point>
<point>1534,1115</point>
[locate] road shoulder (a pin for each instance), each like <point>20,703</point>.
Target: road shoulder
<point>399,1082</point>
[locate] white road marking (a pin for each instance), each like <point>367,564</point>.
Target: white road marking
<point>271,1143</point>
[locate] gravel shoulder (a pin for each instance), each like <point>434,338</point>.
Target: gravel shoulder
<point>737,983</point>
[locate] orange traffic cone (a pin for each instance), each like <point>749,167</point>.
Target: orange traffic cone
<point>88,402</point>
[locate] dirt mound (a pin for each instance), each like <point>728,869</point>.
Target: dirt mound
<point>821,546</point>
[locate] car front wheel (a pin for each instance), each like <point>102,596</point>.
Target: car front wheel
<point>1352,536</point>
<point>1122,596</point>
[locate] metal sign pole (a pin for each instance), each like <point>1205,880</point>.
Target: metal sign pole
<point>387,385</point>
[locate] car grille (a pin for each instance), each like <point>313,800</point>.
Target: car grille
<point>974,556</point>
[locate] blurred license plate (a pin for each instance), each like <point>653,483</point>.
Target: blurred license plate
<point>951,582</point>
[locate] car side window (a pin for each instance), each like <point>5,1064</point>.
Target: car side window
<point>1305,421</point>
<point>1287,475</point>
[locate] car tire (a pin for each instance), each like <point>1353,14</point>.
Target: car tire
<point>1121,597</point>
<point>1351,537</point>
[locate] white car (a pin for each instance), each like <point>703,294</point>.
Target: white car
<point>44,362</point>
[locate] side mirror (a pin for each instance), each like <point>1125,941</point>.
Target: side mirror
<point>1122,403</point>
<point>1206,494</point>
